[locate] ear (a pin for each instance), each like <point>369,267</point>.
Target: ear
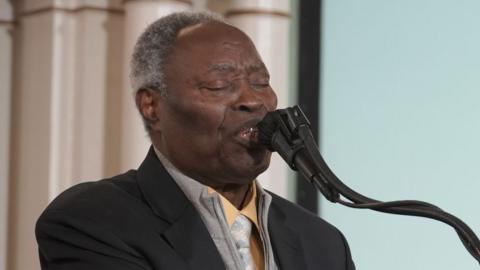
<point>147,103</point>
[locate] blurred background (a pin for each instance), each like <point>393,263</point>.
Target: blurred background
<point>392,89</point>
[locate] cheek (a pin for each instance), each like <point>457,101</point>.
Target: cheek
<point>198,117</point>
<point>275,101</point>
<point>270,100</point>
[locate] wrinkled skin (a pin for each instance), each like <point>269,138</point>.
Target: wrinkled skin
<point>218,89</point>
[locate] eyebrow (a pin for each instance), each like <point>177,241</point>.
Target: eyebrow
<point>221,67</point>
<point>231,68</point>
<point>258,67</point>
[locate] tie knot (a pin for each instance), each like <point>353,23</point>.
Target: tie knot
<point>241,229</point>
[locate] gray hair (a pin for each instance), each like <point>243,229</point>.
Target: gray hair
<point>156,43</point>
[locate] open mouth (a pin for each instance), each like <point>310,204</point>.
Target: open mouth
<point>247,134</point>
<point>250,134</point>
<point>248,137</point>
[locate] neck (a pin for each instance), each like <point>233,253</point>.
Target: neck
<point>238,195</point>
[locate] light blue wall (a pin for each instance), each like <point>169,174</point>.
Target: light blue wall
<point>400,119</point>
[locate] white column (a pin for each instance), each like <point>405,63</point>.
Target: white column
<point>138,15</point>
<point>66,69</point>
<point>267,23</point>
<point>31,130</point>
<point>6,28</point>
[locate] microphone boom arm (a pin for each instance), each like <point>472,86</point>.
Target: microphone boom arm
<point>287,131</point>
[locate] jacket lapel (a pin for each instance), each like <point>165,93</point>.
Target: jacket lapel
<point>187,234</point>
<point>285,243</point>
<point>189,237</point>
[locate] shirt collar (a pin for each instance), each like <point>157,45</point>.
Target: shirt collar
<point>250,210</point>
<point>193,190</point>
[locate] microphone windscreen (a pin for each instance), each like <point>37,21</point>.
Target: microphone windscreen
<point>266,128</point>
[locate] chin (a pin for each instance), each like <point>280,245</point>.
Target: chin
<point>250,166</point>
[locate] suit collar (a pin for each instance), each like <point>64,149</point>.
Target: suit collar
<point>284,239</point>
<point>159,189</point>
<point>191,240</point>
<point>187,234</point>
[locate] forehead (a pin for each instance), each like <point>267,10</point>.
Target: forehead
<point>213,43</point>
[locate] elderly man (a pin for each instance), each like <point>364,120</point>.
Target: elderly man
<point>201,89</point>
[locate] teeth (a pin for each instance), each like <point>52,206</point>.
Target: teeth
<point>251,131</point>
<point>250,134</point>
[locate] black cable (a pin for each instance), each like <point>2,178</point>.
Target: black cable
<point>287,131</point>
<point>325,176</point>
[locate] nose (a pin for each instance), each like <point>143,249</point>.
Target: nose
<point>249,99</point>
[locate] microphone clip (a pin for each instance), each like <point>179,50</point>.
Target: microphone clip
<point>287,131</point>
<point>279,132</point>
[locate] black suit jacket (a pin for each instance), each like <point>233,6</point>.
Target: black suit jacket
<point>142,220</point>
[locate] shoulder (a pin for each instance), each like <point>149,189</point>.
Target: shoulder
<point>114,204</point>
<point>118,190</point>
<point>97,222</point>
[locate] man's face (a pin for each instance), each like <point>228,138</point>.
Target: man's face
<point>218,90</point>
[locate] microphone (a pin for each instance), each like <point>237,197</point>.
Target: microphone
<point>279,132</point>
<point>287,131</point>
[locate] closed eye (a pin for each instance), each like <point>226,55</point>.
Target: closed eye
<point>260,84</point>
<point>221,87</point>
